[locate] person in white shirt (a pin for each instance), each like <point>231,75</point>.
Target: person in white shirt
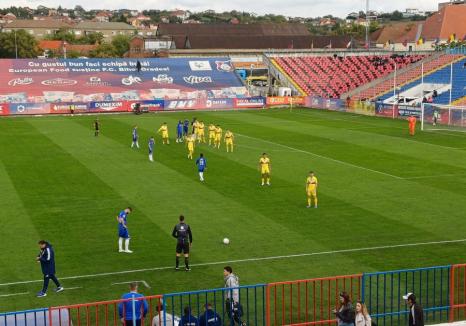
<point>170,320</point>
<point>362,316</point>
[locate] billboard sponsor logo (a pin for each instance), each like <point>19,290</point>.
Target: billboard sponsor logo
<point>97,81</point>
<point>130,80</point>
<point>211,103</point>
<point>181,104</point>
<point>163,79</point>
<point>225,66</point>
<point>20,81</point>
<point>59,82</point>
<point>66,107</point>
<point>200,65</point>
<point>108,106</point>
<point>20,108</point>
<point>197,79</point>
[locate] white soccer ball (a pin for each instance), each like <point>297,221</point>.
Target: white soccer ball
<point>226,241</point>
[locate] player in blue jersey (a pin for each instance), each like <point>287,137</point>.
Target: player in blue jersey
<point>151,148</point>
<point>179,132</point>
<point>201,166</point>
<point>123,233</point>
<point>135,137</point>
<point>185,128</point>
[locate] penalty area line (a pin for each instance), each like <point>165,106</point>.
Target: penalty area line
<point>13,294</point>
<point>256,259</point>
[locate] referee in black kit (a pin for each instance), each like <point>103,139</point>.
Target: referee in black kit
<point>182,232</point>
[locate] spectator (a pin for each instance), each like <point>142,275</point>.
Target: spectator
<point>138,66</point>
<point>233,307</point>
<point>435,93</point>
<point>362,316</point>
<point>134,306</point>
<point>416,314</point>
<point>187,319</point>
<point>164,319</point>
<point>345,312</point>
<point>210,317</point>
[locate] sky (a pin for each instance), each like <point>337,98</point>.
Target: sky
<point>295,8</point>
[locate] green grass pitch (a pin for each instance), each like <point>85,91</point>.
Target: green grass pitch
<point>379,187</point>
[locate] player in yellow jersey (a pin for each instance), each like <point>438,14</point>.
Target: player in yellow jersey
<point>195,128</point>
<point>211,134</point>
<point>266,168</point>
<point>164,131</point>
<point>229,138</point>
<point>190,140</point>
<point>201,132</point>
<point>311,189</point>
<point>218,136</point>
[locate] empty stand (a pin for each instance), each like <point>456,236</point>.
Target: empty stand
<point>332,76</point>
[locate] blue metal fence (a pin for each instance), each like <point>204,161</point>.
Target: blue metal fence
<point>34,317</point>
<point>245,304</point>
<point>383,294</point>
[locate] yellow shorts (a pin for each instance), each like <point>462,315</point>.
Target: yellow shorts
<point>211,135</point>
<point>190,148</point>
<point>265,171</point>
<point>165,135</point>
<point>218,137</point>
<point>229,142</point>
<point>312,193</point>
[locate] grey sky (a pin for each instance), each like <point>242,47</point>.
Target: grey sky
<point>302,8</point>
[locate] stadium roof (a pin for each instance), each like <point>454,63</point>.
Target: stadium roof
<point>232,29</point>
<point>259,42</point>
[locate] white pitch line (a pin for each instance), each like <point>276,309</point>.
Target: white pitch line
<point>13,294</point>
<point>143,282</point>
<point>319,253</point>
<point>325,157</point>
<point>435,176</point>
<point>73,288</point>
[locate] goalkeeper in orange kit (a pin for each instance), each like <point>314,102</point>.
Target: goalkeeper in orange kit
<point>412,125</point>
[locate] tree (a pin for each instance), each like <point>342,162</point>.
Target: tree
<point>121,44</point>
<point>63,34</point>
<point>26,44</point>
<point>92,38</point>
<point>104,50</point>
<point>396,15</point>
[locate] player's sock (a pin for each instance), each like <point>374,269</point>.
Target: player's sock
<point>137,144</point>
<point>263,181</point>
<point>315,202</point>
<point>120,244</point>
<point>127,246</point>
<point>309,202</point>
<point>177,262</point>
<point>268,181</point>
<point>186,262</point>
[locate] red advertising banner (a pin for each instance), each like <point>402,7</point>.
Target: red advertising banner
<point>4,109</point>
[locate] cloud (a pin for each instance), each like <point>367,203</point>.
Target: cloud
<point>301,8</point>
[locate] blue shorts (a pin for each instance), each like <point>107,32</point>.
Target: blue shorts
<point>123,233</point>
<point>180,134</point>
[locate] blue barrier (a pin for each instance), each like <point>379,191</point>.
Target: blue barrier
<point>248,305</point>
<point>383,293</point>
<point>34,317</point>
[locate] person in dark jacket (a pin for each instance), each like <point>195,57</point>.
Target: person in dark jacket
<point>210,317</point>
<point>188,319</point>
<point>416,314</point>
<point>46,258</point>
<point>345,313</point>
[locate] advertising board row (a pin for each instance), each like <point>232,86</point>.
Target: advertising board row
<point>128,106</point>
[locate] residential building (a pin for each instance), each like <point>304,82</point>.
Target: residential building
<point>109,30</point>
<point>37,28</point>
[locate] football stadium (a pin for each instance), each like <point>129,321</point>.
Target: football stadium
<point>237,174</point>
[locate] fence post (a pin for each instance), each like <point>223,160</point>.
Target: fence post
<point>452,293</point>
<point>267,305</point>
<point>363,288</point>
<point>50,316</point>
